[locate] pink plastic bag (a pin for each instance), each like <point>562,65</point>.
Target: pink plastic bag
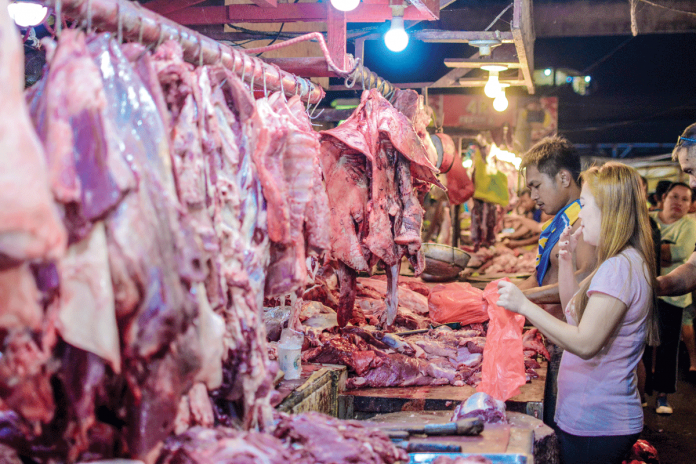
<point>456,302</point>
<point>503,360</point>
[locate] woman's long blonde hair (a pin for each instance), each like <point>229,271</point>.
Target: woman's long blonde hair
<point>618,192</point>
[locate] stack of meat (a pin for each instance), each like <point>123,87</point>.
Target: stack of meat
<point>502,260</point>
<point>309,438</point>
<point>377,358</point>
<point>370,164</point>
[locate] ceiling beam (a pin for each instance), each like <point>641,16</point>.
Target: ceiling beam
<point>266,3</point>
<point>430,9</point>
<point>475,64</point>
<point>287,12</point>
<point>581,18</point>
<point>456,36</point>
<point>478,82</point>
<point>523,35</point>
<point>168,6</point>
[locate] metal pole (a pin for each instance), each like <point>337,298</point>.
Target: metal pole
<point>140,24</point>
<point>456,226</point>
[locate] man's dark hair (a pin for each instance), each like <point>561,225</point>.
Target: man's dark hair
<point>552,154</point>
<point>671,186</point>
<point>661,188</point>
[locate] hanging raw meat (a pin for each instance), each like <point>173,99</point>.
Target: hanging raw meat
<point>370,163</point>
<point>30,227</point>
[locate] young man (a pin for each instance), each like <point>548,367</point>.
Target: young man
<point>552,169</point>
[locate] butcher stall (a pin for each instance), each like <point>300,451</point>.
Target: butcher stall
<point>190,272</point>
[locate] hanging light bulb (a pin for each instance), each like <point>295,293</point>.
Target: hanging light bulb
<point>27,14</point>
<point>396,38</point>
<point>500,103</point>
<point>345,5</point>
<point>493,87</point>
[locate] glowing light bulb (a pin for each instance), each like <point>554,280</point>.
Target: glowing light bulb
<point>547,72</point>
<point>493,87</point>
<point>26,14</point>
<point>500,103</point>
<point>396,38</point>
<point>345,5</point>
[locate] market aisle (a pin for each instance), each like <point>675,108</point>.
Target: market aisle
<point>673,436</point>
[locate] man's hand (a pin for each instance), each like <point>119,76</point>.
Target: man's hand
<point>511,297</point>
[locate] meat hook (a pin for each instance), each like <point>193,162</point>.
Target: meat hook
<point>89,16</point>
<point>140,30</point>
<point>59,17</point>
<point>243,67</point>
<point>200,50</point>
<point>119,33</point>
<point>161,35</point>
<point>362,75</point>
<point>219,57</point>
<point>280,79</point>
<point>253,76</point>
<point>297,84</point>
<point>349,81</point>
<point>234,63</point>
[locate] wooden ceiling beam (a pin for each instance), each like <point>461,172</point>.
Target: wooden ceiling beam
<point>287,12</point>
<point>474,64</point>
<point>523,35</point>
<point>435,35</point>
<point>168,6</point>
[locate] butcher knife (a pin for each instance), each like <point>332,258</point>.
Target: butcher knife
<point>451,325</point>
<point>428,447</point>
<point>468,426</point>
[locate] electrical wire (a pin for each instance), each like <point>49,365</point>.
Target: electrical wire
<point>690,13</point>
<point>498,17</point>
<point>605,57</point>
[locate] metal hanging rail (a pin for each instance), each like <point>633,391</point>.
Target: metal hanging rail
<point>136,23</point>
<point>370,80</point>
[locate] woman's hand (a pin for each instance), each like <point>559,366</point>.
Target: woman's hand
<point>567,243</point>
<point>511,297</point>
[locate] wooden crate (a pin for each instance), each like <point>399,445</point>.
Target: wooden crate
<point>316,390</point>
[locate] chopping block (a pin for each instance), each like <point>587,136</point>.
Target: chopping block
<point>522,436</point>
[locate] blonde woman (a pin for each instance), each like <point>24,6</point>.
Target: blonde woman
<point>610,315</point>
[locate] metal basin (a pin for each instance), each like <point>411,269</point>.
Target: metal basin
<point>443,263</point>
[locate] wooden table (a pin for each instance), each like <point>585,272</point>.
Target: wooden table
<point>522,436</point>
<point>366,402</point>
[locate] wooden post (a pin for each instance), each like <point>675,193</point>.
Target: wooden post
<point>336,35</point>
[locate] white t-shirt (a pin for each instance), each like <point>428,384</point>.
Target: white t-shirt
<point>599,396</point>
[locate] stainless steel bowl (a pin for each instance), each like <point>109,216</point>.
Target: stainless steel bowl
<point>442,262</point>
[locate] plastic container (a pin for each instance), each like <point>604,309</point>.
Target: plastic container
<point>290,353</point>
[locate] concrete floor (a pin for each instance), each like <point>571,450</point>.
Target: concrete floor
<point>673,435</point>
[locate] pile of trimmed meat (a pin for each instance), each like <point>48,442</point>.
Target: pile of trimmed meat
<point>500,259</point>
<point>376,355</point>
